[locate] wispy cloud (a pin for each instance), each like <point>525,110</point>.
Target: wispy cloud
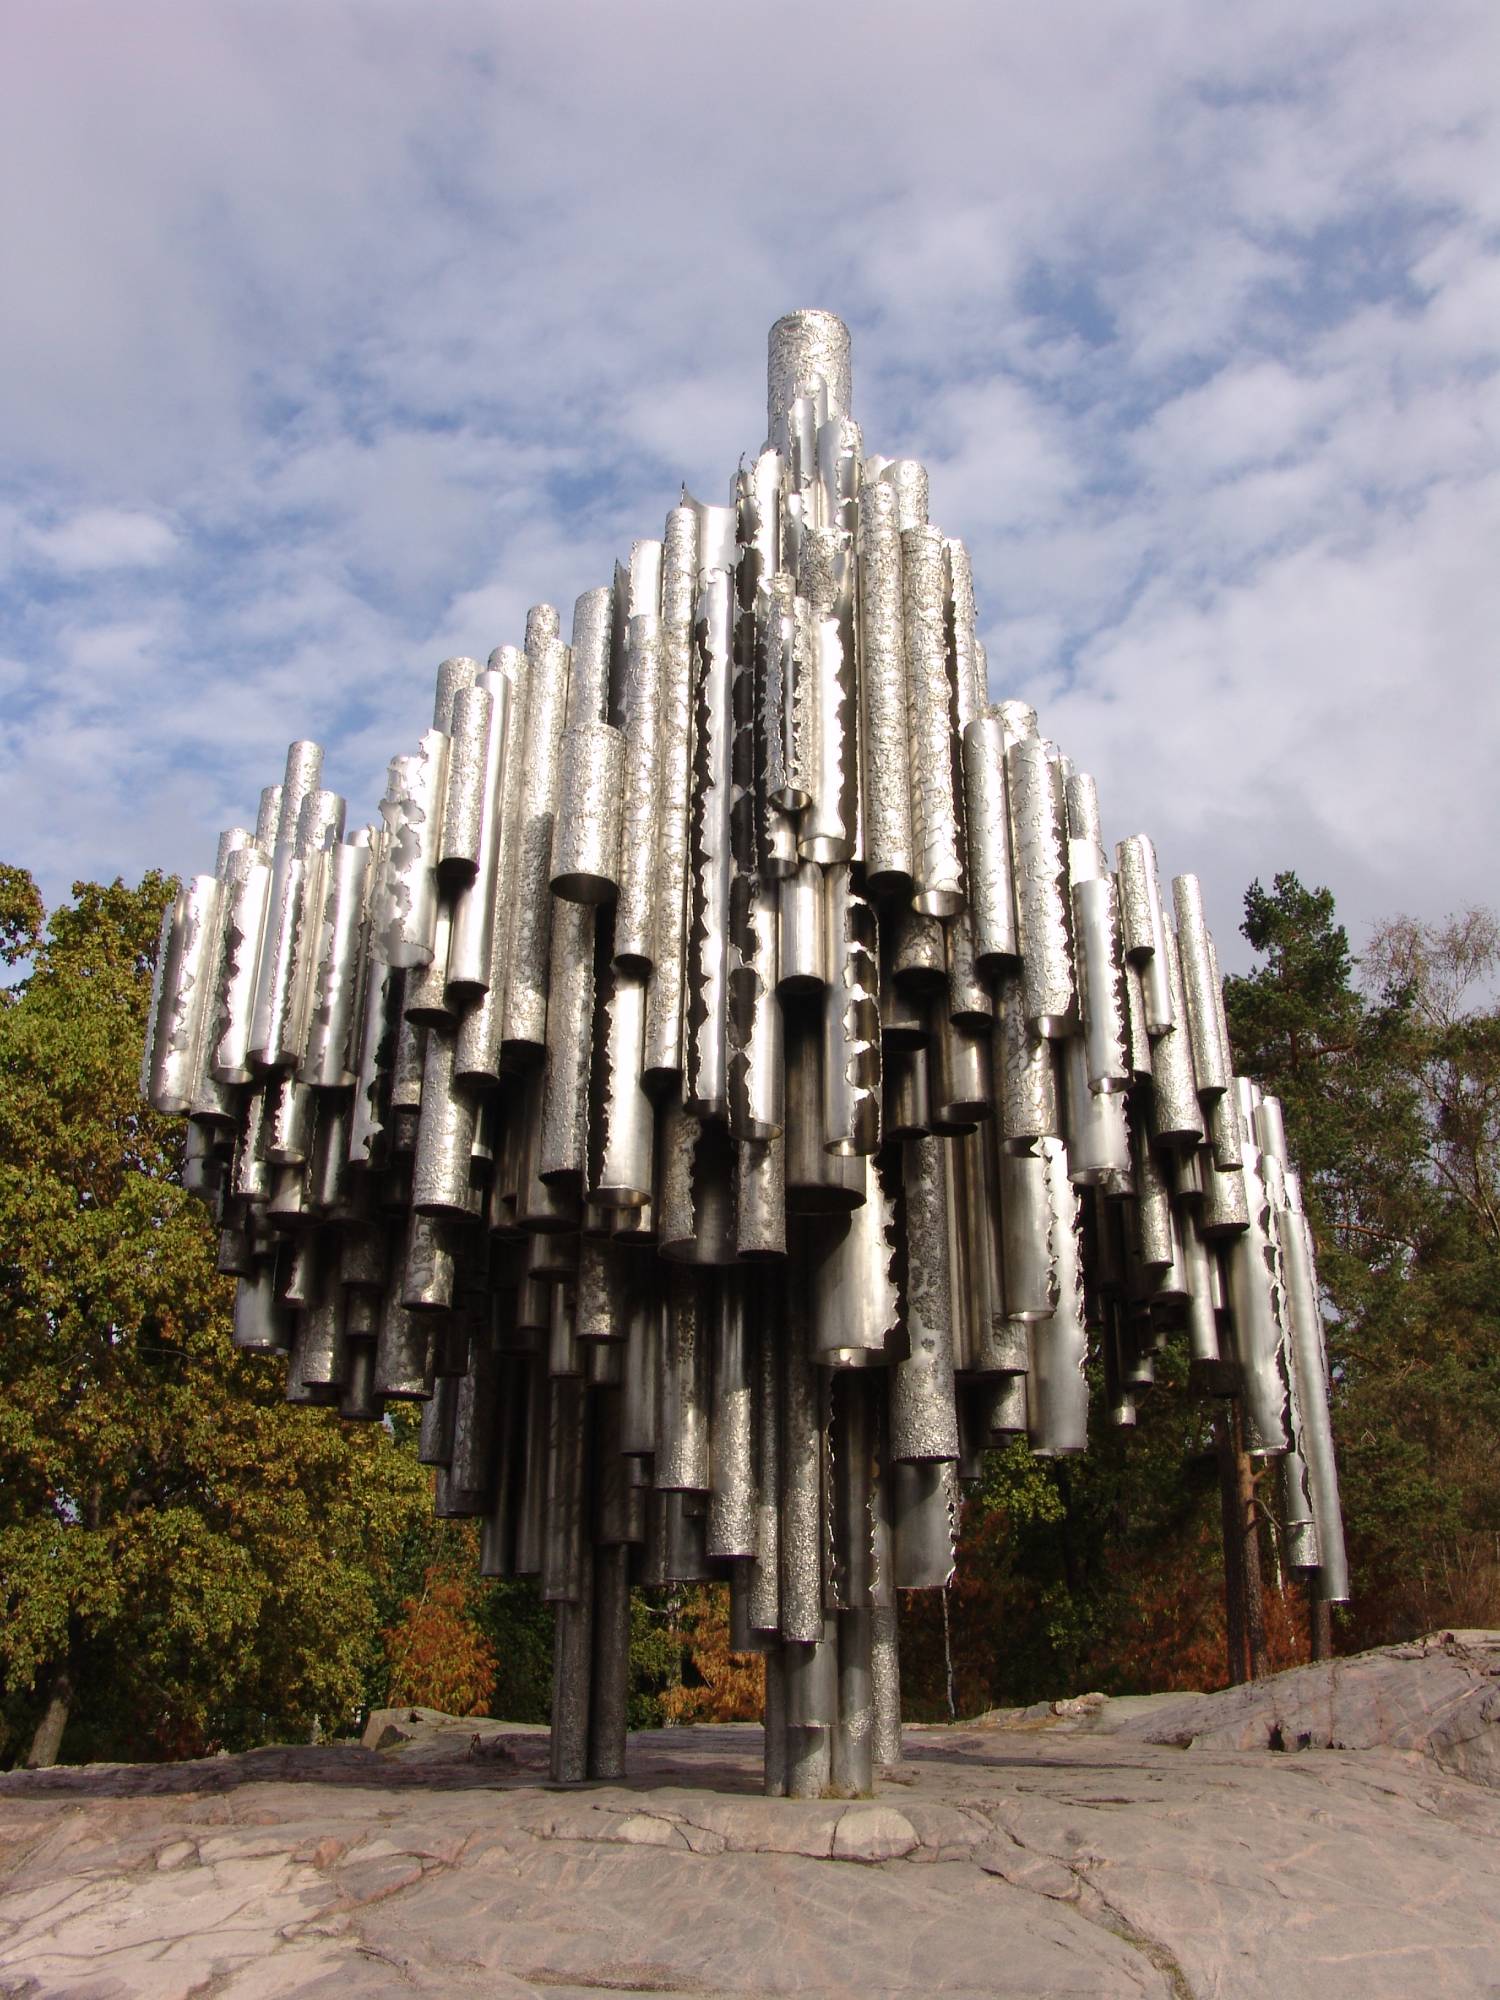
<point>335,336</point>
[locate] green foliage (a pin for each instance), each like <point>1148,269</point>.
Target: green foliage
<point>1098,1572</point>
<point>1391,1089</point>
<point>21,915</point>
<point>205,1560</point>
<point>1107,1572</point>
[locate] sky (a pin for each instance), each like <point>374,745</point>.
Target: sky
<point>333,336</point>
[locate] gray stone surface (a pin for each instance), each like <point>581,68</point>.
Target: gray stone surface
<point>1074,1849</point>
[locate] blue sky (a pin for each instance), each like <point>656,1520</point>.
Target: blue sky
<point>334,336</point>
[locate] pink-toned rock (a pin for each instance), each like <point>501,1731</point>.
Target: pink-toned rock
<point>1072,1855</point>
<point>873,1833</point>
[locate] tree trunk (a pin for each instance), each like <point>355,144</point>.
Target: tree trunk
<point>1237,1650</point>
<point>1244,1600</point>
<point>47,1741</point>
<point>1255,1601</point>
<point>1319,1622</point>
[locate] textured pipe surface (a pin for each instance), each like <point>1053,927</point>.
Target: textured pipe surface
<point>885,775</point>
<point>525,1017</point>
<point>938,872</point>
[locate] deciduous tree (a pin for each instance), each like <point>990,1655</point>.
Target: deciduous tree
<point>184,1559</point>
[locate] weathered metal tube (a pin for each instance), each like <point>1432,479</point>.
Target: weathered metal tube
<point>1057,1384</point>
<point>467,793</point>
<point>705,1025</point>
<point>884,769</point>
<point>806,349</point>
<point>640,783</point>
<point>479,946</point>
<point>851,1020</point>
<point>622,1124</point>
<point>992,896</point>
<point>937,837</point>
<point>525,1019</point>
<point>668,957</point>
<point>570,1032</point>
<point>825,649</point>
<point>732,1490</point>
<point>189,958</point>
<point>586,835</point>
<point>923,1414</point>
<point>405,900</point>
<point>1033,791</point>
<point>1210,1057</point>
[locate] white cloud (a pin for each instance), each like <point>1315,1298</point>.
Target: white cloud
<point>342,334</point>
<point>103,538</point>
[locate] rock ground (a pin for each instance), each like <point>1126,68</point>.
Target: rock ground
<point>1154,1848</point>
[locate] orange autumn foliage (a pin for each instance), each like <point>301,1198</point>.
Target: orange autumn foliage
<point>438,1658</point>
<point>731,1686</point>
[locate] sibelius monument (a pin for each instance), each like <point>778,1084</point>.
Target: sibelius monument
<point>731,1087</point>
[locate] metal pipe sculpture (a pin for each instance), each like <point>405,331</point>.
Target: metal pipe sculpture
<point>731,1086</point>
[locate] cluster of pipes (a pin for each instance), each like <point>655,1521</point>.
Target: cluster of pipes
<point>732,1088</point>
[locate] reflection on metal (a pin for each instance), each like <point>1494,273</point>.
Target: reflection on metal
<point>731,1086</point>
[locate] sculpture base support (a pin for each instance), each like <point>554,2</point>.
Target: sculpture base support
<point>833,1709</point>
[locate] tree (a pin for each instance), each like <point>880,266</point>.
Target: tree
<point>185,1560</point>
<point>1391,1089</point>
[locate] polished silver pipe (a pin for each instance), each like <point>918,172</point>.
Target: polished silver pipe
<point>1025,1073</point>
<point>1100,985</point>
<point>1057,1385</point>
<point>884,769</point>
<point>635,910</point>
<point>329,1056</point>
<point>970,695</point>
<point>802,931</point>
<point>992,894</point>
<point>467,794</point>
<point>570,1033</point>
<point>1194,945</point>
<point>760,1199</point>
<point>525,1020</point>
<point>825,668</point>
<point>763,1571</point>
<point>907,479</point>
<point>696,1222</point>
<point>756,1068</point>
<point>787,695</point>
<point>731,1428</point>
<point>1033,791</point>
<point>924,1537</point>
<point>808,349</point>
<point>586,859</point>
<point>1258,1307</point>
<point>885,1679</point>
<point>1311,1369</point>
<point>479,963</point>
<point>923,1413</point>
<point>706,1083</point>
<point>440,1183</point>
<point>938,876</point>
<point>1144,929</point>
<point>801,1517</point>
<point>622,1124</point>
<point>1179,1112</point>
<point>188,957</point>
<point>851,1020</point>
<point>856,1307</point>
<point>247,887</point>
<point>679,585</point>
<point>405,901</point>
